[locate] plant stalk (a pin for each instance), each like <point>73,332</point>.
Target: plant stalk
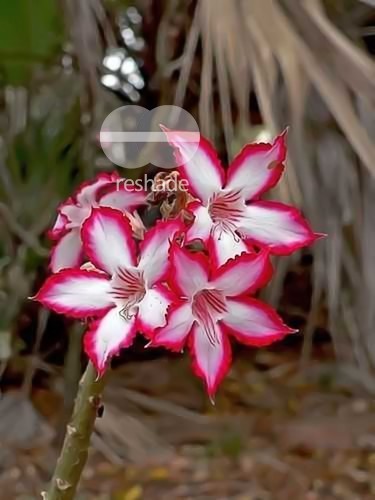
<point>74,452</point>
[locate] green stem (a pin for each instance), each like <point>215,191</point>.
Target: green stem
<point>72,375</point>
<point>74,452</point>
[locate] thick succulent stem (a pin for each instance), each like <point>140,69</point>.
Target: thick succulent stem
<point>74,452</point>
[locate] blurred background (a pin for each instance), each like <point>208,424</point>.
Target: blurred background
<point>296,420</point>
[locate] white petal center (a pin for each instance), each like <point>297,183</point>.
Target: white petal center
<point>208,307</point>
<point>128,289</point>
<point>226,209</point>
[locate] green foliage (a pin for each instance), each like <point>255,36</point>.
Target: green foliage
<point>42,159</point>
<point>30,32</point>
<point>41,163</point>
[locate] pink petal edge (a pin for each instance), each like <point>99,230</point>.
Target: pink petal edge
<point>224,366</point>
<point>261,280</point>
<point>264,340</point>
<point>124,226</point>
<point>61,277</point>
<point>89,346</point>
<point>276,170</point>
<point>296,215</point>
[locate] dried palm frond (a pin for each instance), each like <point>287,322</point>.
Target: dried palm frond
<point>309,74</point>
<point>88,23</point>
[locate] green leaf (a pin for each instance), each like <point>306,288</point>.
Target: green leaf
<point>31,32</point>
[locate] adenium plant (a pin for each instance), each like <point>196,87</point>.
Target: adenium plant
<point>191,280</point>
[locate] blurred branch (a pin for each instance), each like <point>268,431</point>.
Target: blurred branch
<point>29,239</point>
<point>32,365</point>
<point>87,21</point>
<point>369,2</point>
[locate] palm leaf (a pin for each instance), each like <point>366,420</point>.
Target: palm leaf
<point>308,73</point>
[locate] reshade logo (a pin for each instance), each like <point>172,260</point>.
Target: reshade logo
<point>132,136</point>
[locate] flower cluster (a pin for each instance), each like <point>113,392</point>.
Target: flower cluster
<point>191,278</point>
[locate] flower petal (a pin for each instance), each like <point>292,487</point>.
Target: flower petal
<point>243,274</point>
<point>279,227</point>
<point>77,293</point>
<point>202,224</point>
<point>67,252</point>
<point>75,214</point>
<point>224,246</point>
<point>152,310</point>
<point>119,195</point>
<point>257,168</point>
<point>189,271</point>
<point>253,322</point>
<point>87,192</point>
<point>179,322</point>
<point>107,336</point>
<point>59,228</point>
<point>211,361</point>
<point>107,239</point>
<point>154,250</point>
<point>201,167</point>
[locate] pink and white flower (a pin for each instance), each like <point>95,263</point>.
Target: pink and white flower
<point>215,303</point>
<point>102,191</point>
<point>229,214</point>
<point>126,295</point>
